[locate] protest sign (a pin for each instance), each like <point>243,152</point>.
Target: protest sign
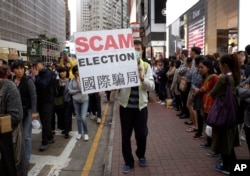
<point>106,60</point>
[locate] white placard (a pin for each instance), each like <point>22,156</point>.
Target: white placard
<point>106,60</point>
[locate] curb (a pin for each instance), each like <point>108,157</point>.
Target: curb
<point>107,165</point>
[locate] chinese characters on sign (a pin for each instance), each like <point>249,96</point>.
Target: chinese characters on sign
<point>106,60</point>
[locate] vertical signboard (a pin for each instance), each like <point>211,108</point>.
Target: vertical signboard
<point>160,11</point>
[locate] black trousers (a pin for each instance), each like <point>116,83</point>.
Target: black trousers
<point>133,119</point>
<point>95,104</point>
<point>108,93</point>
<point>45,112</point>
<point>7,161</point>
<point>247,133</point>
<point>68,116</point>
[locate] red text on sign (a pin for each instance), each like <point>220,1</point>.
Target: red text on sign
<point>99,43</point>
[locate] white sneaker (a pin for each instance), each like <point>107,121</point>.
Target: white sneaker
<point>242,138</point>
<point>86,137</point>
<point>163,103</point>
<point>92,117</point>
<point>159,101</point>
<point>98,120</point>
<point>79,136</point>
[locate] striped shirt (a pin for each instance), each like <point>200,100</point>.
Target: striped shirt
<point>133,101</point>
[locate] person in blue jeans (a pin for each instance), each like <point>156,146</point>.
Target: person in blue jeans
<point>81,103</point>
<point>27,91</point>
<point>134,113</point>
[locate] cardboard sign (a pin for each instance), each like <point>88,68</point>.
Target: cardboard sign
<point>106,60</point>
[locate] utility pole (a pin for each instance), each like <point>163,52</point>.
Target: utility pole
<point>121,13</point>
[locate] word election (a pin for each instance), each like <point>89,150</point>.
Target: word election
<point>82,62</point>
<point>103,43</point>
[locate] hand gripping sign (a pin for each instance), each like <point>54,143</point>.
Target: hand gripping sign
<point>106,60</point>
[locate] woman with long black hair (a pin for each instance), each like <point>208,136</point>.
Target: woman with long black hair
<point>226,138</point>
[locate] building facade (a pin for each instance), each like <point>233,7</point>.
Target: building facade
<point>21,20</point>
<point>151,15</point>
<point>216,26</point>
<point>94,15</point>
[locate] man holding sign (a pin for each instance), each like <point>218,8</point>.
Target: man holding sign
<point>109,60</point>
<point>134,113</point>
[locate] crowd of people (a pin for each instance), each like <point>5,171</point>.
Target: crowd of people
<point>194,82</point>
<point>49,93</point>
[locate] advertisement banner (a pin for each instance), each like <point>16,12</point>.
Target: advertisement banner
<point>106,60</point>
<point>135,29</point>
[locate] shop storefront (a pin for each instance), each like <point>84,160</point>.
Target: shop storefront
<point>211,25</point>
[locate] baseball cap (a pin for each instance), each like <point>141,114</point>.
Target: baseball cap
<point>35,61</point>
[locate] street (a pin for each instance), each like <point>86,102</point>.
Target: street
<point>67,157</point>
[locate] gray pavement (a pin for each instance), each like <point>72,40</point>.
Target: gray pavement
<point>170,149</point>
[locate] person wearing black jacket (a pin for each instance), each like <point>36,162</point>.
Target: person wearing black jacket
<point>27,91</point>
<point>45,83</point>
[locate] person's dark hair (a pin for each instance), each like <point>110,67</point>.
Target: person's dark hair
<point>171,62</point>
<point>17,64</point>
<point>196,49</point>
<point>198,59</point>
<point>247,50</point>
<point>232,62</point>
<point>172,57</point>
<point>62,69</point>
<point>165,62</point>
<point>2,72</point>
<point>138,42</point>
<point>189,59</point>
<point>209,65</point>
<point>210,57</point>
<point>4,62</point>
<point>216,55</point>
<point>246,60</point>
<point>74,69</point>
<point>185,52</point>
<point>177,63</point>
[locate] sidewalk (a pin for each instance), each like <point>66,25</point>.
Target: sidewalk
<point>170,149</point>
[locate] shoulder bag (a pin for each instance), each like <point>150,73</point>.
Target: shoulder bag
<point>183,83</point>
<point>223,112</point>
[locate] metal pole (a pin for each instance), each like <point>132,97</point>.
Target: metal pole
<point>121,13</point>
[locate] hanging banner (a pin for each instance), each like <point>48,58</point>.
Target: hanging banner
<point>106,60</point>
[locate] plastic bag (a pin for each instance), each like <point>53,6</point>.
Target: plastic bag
<point>208,131</point>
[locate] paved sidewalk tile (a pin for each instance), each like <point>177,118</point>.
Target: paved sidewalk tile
<point>170,149</point>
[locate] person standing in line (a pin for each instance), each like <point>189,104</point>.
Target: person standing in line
<point>27,91</point>
<point>134,113</point>
<point>95,106</point>
<point>226,138</point>
<point>244,94</point>
<point>81,103</point>
<point>12,160</point>
<point>63,108</point>
<point>44,81</point>
<point>108,93</point>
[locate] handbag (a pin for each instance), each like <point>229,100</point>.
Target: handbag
<point>223,112</point>
<point>59,102</point>
<point>183,83</point>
